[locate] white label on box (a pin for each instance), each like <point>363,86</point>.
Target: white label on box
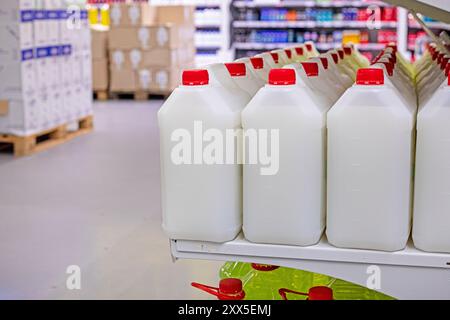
<point>135,58</point>
<point>118,58</point>
<point>162,79</point>
<point>143,36</point>
<point>133,14</point>
<point>115,14</point>
<point>144,78</point>
<point>162,36</point>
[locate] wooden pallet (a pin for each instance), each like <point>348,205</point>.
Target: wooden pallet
<point>28,145</point>
<point>140,95</point>
<point>101,95</point>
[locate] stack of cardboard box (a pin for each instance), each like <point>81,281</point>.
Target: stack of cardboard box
<point>45,65</point>
<point>149,46</point>
<point>100,58</point>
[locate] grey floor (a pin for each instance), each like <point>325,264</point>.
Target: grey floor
<point>93,202</point>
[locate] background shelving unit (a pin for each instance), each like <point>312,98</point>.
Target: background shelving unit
<point>212,38</point>
<point>382,22</point>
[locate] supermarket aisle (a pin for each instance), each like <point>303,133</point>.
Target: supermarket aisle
<point>93,202</point>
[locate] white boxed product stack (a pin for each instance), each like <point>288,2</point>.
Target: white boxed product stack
<point>45,65</point>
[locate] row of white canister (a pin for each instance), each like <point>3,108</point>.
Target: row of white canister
<point>339,137</point>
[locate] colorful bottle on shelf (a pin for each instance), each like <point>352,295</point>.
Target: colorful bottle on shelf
<point>370,133</point>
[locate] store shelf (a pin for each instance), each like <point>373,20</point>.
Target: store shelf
<point>208,25</point>
<point>431,25</point>
<point>310,24</point>
<point>302,4</point>
<point>405,274</point>
<point>319,46</point>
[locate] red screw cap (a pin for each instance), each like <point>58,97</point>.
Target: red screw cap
<point>369,76</point>
<point>348,50</point>
<point>335,57</point>
<point>320,293</point>
<point>311,69</point>
<point>341,53</point>
<point>299,51</point>
<point>447,69</point>
<point>236,69</point>
<point>324,62</point>
<point>309,46</point>
<point>288,53</point>
<point>281,77</point>
<point>264,267</point>
<point>274,56</point>
<point>195,77</point>
<point>230,286</point>
<point>257,62</point>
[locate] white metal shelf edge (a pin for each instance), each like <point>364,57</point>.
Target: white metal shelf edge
<point>407,274</point>
<point>322,251</point>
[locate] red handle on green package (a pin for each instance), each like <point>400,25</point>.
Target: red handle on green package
<point>315,293</point>
<point>229,289</point>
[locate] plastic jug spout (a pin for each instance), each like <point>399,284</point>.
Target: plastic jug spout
<point>229,289</point>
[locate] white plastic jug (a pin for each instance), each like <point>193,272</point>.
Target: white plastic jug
<point>342,77</point>
<point>431,227</point>
<point>369,187</point>
<point>288,205</point>
<point>245,80</point>
<point>311,50</point>
<point>255,66</point>
<point>200,201</point>
<point>327,77</point>
<point>308,71</point>
<point>299,53</point>
<point>271,59</point>
<point>282,56</point>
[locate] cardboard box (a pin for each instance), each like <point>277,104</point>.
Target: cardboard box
<point>146,38</point>
<point>158,79</point>
<point>131,15</point>
<point>100,74</point>
<point>161,57</point>
<point>125,59</point>
<point>123,80</point>
<point>99,43</point>
<point>179,15</point>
